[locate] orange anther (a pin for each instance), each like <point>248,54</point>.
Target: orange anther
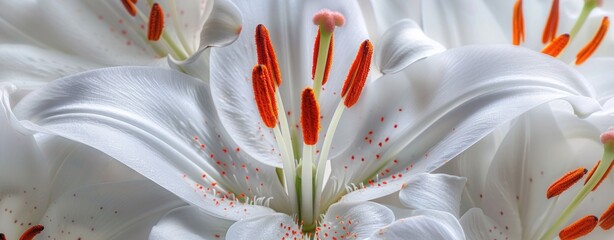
<point>266,53</point>
<point>552,24</point>
<point>565,182</point>
<point>357,76</point>
<point>135,1</point>
<point>590,174</point>
<point>129,6</point>
<point>557,45</point>
<point>579,228</point>
<point>329,58</point>
<point>310,116</point>
<point>264,94</point>
<point>518,24</point>
<point>591,46</point>
<point>156,23</point>
<point>607,218</point>
<point>31,232</point>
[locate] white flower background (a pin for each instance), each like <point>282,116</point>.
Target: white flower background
<point>457,134</point>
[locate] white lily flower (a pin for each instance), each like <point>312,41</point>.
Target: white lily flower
<point>70,191</point>
<point>514,193</point>
<point>209,142</point>
<point>45,40</point>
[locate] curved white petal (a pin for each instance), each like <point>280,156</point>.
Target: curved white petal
<point>598,71</point>
<point>403,44</point>
<point>160,123</point>
<point>354,220</point>
<point>190,223</point>
<point>115,210</point>
<point>440,192</point>
<point>271,226</point>
<point>476,225</point>
<point>438,107</point>
<point>292,34</point>
<point>222,26</point>
<point>423,225</point>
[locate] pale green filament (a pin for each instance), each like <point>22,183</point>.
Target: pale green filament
<point>586,10</point>
<point>288,168</point>
<point>321,61</point>
<point>307,211</point>
<point>328,139</point>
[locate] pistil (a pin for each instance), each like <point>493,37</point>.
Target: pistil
<point>327,20</point>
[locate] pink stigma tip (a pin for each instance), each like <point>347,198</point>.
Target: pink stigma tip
<point>607,136</point>
<point>328,19</point>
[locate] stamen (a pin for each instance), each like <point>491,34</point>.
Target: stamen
<point>579,228</point>
<point>607,218</point>
<point>264,93</point>
<point>328,20</point>
<point>565,182</point>
<point>156,23</point>
<point>135,1</point>
<point>590,174</point>
<point>129,6</point>
<point>557,45</point>
<point>590,47</point>
<point>329,58</point>
<point>357,76</point>
<point>552,24</point>
<point>266,53</point>
<point>2,237</point>
<point>310,117</point>
<point>31,232</point>
<point>518,24</point>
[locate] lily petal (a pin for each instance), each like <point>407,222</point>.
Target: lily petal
<point>403,44</point>
<point>476,225</point>
<point>438,107</point>
<point>423,225</point>
<point>293,40</point>
<point>271,226</point>
<point>180,148</point>
<point>440,192</point>
<point>190,223</point>
<point>354,220</point>
<point>222,26</point>
<point>30,67</point>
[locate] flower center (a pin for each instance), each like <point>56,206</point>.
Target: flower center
<point>303,176</point>
<point>153,30</point>
<point>29,234</point>
<point>585,225</point>
<point>556,45</point>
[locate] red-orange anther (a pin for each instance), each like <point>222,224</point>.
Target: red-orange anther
<point>579,228</point>
<point>357,76</point>
<point>135,1</point>
<point>329,58</point>
<point>2,237</point>
<point>565,182</point>
<point>129,6</point>
<point>264,93</point>
<point>31,232</point>
<point>266,53</point>
<point>590,174</point>
<point>310,116</point>
<point>156,23</point>
<point>552,24</point>
<point>606,221</point>
<point>518,24</point>
<point>557,45</point>
<point>591,46</point>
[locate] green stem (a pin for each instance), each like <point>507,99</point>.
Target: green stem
<point>321,62</point>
